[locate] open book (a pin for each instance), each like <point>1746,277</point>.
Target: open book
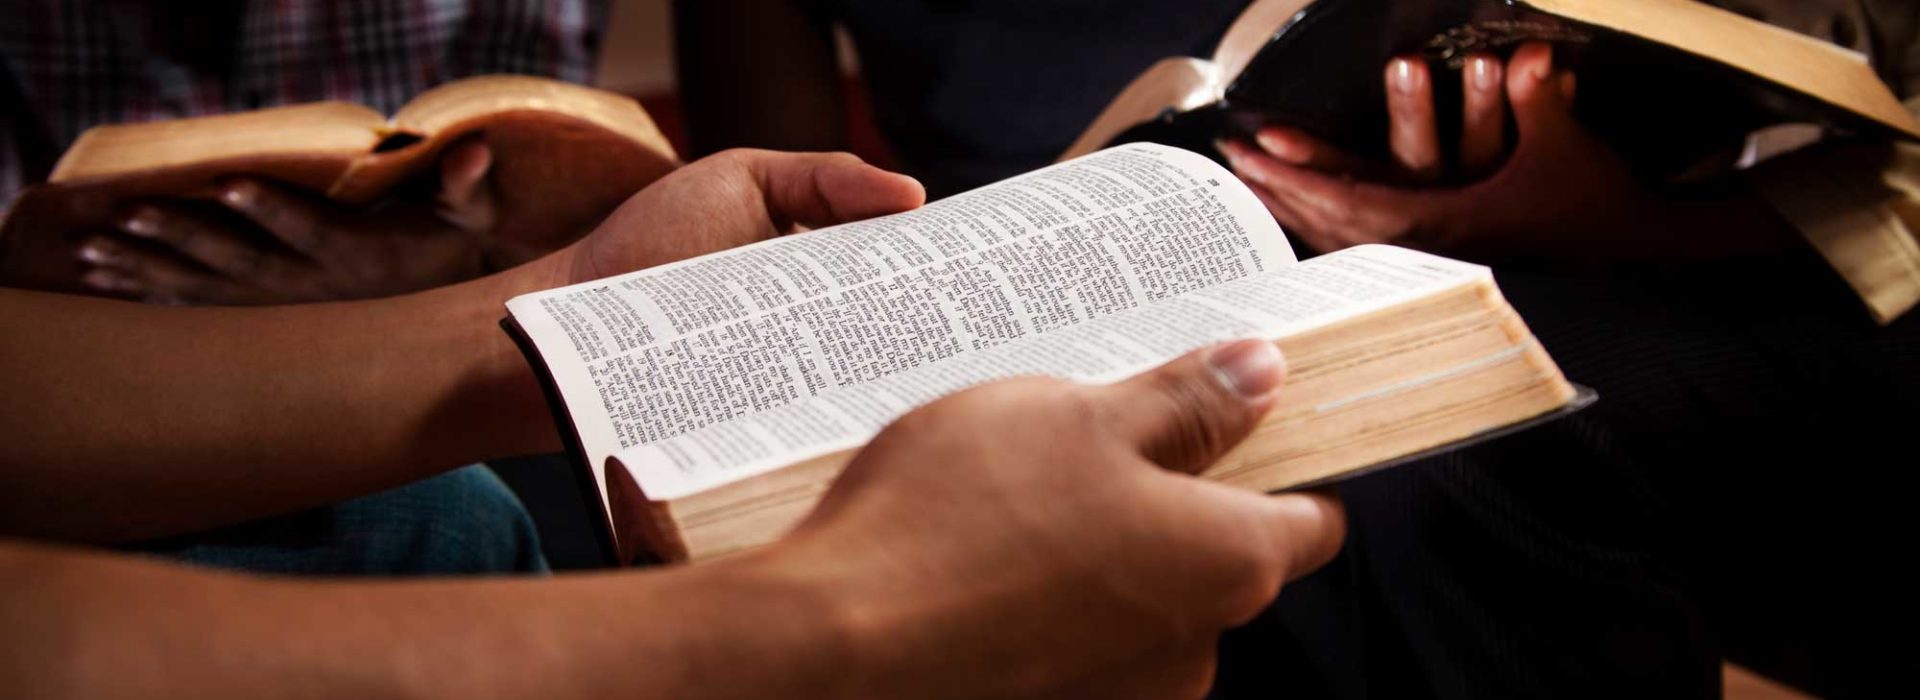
<point>1667,83</point>
<point>564,156</point>
<point>713,400</point>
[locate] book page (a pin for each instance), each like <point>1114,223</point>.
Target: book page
<point>330,131</point>
<point>449,104</point>
<point>1817,68</point>
<point>654,354</point>
<point>1272,304</point>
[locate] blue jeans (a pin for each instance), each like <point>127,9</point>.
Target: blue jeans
<point>462,522</point>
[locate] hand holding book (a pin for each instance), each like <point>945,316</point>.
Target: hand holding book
<point>254,241</point>
<point>711,402</point>
<point>1557,179</point>
<point>732,199</point>
<point>1067,554</point>
<point>363,395</point>
<point>481,174</point>
<point>1078,507</point>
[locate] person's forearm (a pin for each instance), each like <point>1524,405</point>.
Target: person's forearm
<point>135,421</point>
<point>95,626</point>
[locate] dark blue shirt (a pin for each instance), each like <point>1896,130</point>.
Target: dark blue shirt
<point>972,91</point>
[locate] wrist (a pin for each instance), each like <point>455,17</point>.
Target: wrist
<point>498,407</point>
<point>785,614</point>
<point>879,638</point>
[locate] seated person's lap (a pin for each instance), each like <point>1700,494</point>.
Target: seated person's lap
<point>462,522</point>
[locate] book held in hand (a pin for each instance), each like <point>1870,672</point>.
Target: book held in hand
<point>563,157</point>
<point>712,401</point>
<point>1672,85</point>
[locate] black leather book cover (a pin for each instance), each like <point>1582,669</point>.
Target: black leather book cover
<point>570,436</point>
<point>1660,107</point>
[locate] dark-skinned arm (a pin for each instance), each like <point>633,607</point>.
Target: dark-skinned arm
<point>126,421</point>
<point>1068,523</point>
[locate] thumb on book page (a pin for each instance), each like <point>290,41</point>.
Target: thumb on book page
<point>466,195</point>
<point>824,189</point>
<point>1185,414</point>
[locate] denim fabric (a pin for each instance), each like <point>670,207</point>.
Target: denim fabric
<point>462,522</point>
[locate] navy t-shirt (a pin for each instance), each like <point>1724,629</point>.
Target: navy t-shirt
<point>972,91</point>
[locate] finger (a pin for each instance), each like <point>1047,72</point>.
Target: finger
<point>1309,229</point>
<point>1184,414</point>
<point>290,217</point>
<point>104,272</point>
<point>823,189</point>
<point>1237,152</point>
<point>1270,181</point>
<point>1483,118</point>
<point>211,244</point>
<point>1296,147</point>
<point>1283,214</point>
<point>466,195</point>
<point>1309,528</point>
<point>1288,535</point>
<point>1293,219</point>
<point>1304,530</point>
<point>1179,673</point>
<point>1331,212</point>
<point>1190,673</point>
<point>1542,97</point>
<point>153,276</point>
<point>1300,221</point>
<point>1266,174</point>
<point>1414,139</point>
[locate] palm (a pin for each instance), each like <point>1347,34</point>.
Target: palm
<point>736,198</point>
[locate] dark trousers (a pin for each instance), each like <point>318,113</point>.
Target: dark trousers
<point>1739,491</point>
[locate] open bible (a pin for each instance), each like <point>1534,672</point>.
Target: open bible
<point>711,402</point>
<point>563,156</point>
<point>1669,84</point>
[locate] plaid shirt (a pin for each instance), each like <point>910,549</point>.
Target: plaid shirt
<point>66,65</point>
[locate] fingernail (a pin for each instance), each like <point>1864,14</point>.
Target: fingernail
<point>145,222</point>
<point>484,161</point>
<point>238,194</point>
<point>1283,148</point>
<point>96,253</point>
<point>1250,369</point>
<point>1403,78</point>
<point>1486,73</point>
<point>1236,158</point>
<point>1545,68</point>
<point>107,281</point>
<point>1567,85</point>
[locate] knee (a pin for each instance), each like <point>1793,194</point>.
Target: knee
<point>466,521</point>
